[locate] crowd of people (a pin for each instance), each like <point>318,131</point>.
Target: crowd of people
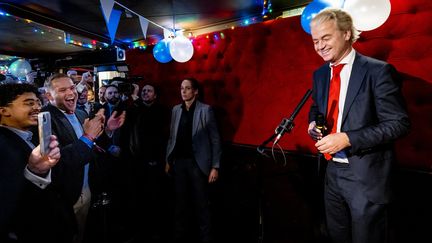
<point>104,179</point>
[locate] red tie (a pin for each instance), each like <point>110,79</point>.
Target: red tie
<point>333,102</point>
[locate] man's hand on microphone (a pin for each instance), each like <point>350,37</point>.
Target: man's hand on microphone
<point>314,132</point>
<point>333,143</point>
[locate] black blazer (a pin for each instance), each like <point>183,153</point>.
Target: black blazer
<point>206,142</point>
<point>14,156</point>
<point>34,214</point>
<point>374,116</point>
<point>48,216</point>
<point>74,155</point>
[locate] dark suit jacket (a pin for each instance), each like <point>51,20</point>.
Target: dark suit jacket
<point>145,132</point>
<point>374,116</point>
<point>206,142</point>
<point>57,216</point>
<point>74,154</point>
<point>14,156</point>
<point>34,214</point>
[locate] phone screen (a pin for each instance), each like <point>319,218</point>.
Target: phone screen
<point>44,128</point>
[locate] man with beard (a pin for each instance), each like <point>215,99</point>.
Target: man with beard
<point>112,98</point>
<point>121,201</point>
<point>78,136</point>
<point>146,132</point>
<point>113,104</point>
<point>24,172</point>
<point>101,94</point>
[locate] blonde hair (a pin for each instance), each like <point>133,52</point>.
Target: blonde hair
<point>343,21</point>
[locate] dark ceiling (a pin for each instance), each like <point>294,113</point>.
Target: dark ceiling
<point>83,19</point>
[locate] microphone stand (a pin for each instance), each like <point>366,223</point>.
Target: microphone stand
<point>286,125</point>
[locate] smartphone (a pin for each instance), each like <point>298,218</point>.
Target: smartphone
<point>44,128</point>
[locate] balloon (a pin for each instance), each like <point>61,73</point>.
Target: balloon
<point>161,51</point>
<point>310,11</point>
<point>20,68</point>
<point>368,14</point>
<point>335,3</point>
<point>181,49</point>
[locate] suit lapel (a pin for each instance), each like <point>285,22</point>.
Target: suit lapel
<point>358,73</point>
<point>63,123</point>
<point>176,121</point>
<point>322,84</point>
<point>324,90</point>
<point>196,118</point>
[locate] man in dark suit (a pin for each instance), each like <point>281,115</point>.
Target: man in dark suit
<point>144,137</point>
<point>121,197</point>
<point>194,152</point>
<point>77,136</point>
<point>365,114</point>
<point>24,172</point>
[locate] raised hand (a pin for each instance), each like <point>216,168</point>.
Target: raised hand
<point>115,122</point>
<point>39,164</point>
<point>95,126</point>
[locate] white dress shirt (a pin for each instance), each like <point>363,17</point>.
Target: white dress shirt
<point>345,77</point>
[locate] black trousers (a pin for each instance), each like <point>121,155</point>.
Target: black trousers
<point>351,217</point>
<point>191,192</point>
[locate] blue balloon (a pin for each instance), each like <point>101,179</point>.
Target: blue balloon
<point>161,51</point>
<point>310,11</point>
<point>20,68</point>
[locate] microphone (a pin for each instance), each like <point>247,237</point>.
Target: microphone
<point>287,124</point>
<point>319,122</point>
<point>281,129</point>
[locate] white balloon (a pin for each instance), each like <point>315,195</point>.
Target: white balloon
<point>334,3</point>
<point>368,14</point>
<point>181,49</point>
<point>20,68</point>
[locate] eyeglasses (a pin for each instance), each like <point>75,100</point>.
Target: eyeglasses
<point>29,103</point>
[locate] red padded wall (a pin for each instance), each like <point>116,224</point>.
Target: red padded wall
<point>254,76</point>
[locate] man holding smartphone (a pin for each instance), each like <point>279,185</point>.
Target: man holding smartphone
<point>24,173</point>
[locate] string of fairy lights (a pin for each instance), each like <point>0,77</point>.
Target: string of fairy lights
<point>266,13</point>
<point>142,44</point>
<point>53,33</point>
